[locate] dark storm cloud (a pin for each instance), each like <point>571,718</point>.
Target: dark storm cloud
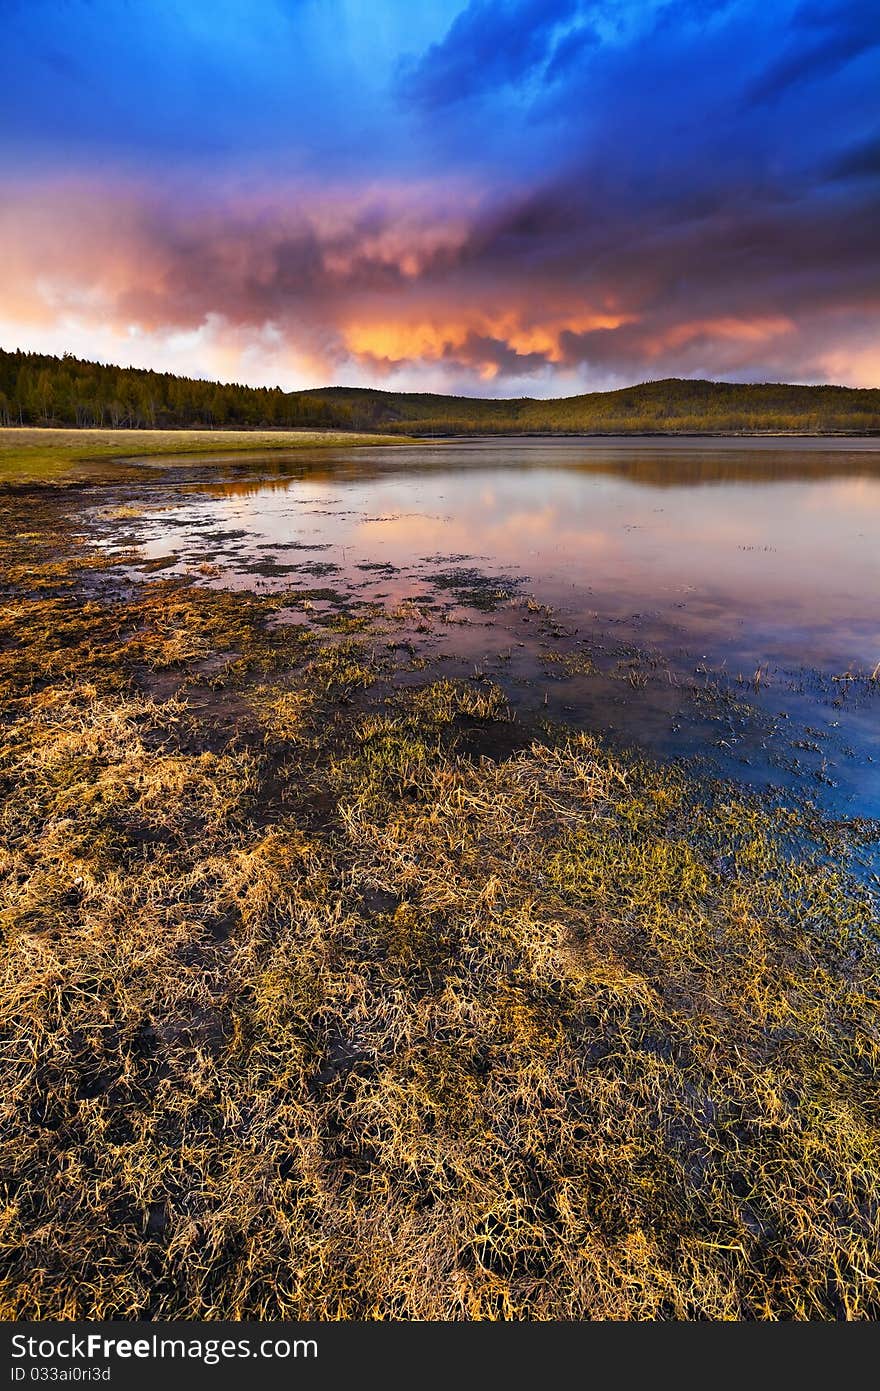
<point>861,161</point>
<point>490,44</point>
<point>482,350</point>
<point>569,48</point>
<point>824,37</point>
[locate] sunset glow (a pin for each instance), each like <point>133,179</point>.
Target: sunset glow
<point>323,198</point>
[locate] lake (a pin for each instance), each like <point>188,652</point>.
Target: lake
<point>712,600</point>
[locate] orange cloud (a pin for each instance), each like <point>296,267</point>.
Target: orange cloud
<point>396,340</point>
<point>759,330</point>
<point>431,286</point>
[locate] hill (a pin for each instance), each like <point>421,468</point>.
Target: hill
<point>37,389</point>
<point>675,405</point>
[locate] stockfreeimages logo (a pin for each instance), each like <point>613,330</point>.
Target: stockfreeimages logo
<point>96,1347</point>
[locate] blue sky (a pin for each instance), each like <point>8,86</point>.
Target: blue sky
<point>501,197</point>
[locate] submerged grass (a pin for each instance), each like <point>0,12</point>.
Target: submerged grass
<point>321,1000</point>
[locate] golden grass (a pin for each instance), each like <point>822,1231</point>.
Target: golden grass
<point>32,454</point>
<point>317,1014</point>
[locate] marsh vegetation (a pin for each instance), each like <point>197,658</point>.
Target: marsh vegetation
<point>334,987</point>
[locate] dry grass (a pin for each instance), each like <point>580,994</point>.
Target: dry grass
<point>311,1012</point>
<point>32,454</point>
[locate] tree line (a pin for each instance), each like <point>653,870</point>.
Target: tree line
<point>37,389</point>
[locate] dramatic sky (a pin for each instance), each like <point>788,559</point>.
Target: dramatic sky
<point>502,197</point>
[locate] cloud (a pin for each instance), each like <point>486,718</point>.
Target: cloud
<point>531,289</point>
<point>826,36</point>
<point>491,44</point>
<point>549,196</point>
<point>569,49</point>
<point>861,161</point>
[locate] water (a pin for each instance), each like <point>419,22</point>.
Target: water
<point>712,600</point>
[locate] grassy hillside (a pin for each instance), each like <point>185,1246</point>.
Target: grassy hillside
<point>674,405</point>
<point>36,389</point>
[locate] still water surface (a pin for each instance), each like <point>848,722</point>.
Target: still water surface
<point>727,592</point>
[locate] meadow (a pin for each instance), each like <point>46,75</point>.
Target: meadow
<point>38,455</point>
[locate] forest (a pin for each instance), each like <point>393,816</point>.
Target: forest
<point>38,389</point>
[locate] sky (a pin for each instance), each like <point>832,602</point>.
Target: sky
<point>491,197</point>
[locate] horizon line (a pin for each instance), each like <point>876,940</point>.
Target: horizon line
<point>443,395</point>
